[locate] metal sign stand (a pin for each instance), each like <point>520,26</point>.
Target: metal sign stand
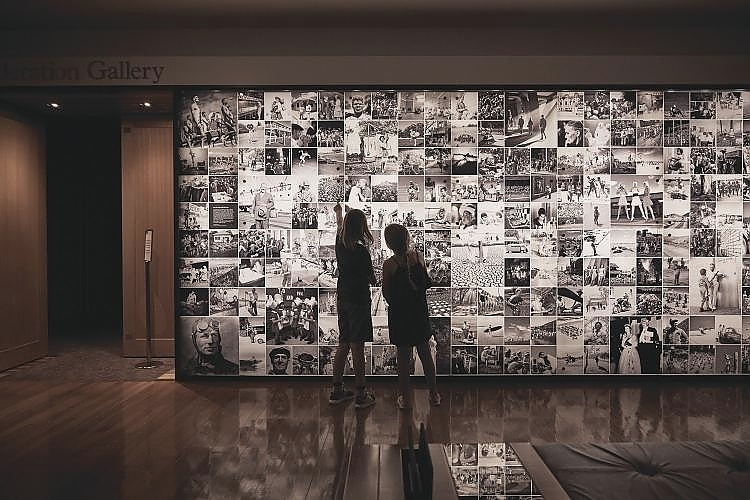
<point>149,363</point>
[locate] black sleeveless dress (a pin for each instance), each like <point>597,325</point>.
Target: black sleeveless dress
<point>408,322</point>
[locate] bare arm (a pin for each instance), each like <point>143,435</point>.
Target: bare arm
<point>389,269</point>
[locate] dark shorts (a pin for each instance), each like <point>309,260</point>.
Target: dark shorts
<point>355,322</point>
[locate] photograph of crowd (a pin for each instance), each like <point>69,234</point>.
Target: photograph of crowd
<point>586,231</point>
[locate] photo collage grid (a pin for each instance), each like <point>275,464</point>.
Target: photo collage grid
<point>566,232</point>
<point>489,470</point>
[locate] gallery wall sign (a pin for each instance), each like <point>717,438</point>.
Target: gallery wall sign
<point>566,232</point>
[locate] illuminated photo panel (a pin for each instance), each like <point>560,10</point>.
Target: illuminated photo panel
<point>588,232</point>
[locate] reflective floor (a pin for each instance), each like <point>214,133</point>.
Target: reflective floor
<point>281,439</point>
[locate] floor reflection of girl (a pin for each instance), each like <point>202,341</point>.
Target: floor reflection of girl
<point>629,362</point>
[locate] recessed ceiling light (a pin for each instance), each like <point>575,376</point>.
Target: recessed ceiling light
<point>53,105</point>
<point>146,104</point>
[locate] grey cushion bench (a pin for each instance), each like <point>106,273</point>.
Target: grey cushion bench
<point>641,471</point>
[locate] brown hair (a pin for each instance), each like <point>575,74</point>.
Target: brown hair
<point>354,229</point>
<point>397,238</point>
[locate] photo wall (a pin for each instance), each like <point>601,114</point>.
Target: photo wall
<point>567,232</point>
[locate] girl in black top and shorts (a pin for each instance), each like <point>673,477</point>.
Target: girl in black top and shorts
<point>356,274</point>
<point>405,281</point>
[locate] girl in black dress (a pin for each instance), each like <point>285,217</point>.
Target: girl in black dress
<point>405,281</point>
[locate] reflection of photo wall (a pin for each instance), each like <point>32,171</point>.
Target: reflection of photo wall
<point>552,222</point>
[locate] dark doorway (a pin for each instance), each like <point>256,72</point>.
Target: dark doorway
<point>84,227</point>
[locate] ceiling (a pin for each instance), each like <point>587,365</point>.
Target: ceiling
<point>87,102</point>
<point>71,14</point>
<point>574,25</point>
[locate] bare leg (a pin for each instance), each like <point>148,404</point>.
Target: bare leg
<point>423,350</point>
<point>339,362</point>
<point>358,359</point>
<point>403,365</point>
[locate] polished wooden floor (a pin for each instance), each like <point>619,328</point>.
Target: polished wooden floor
<point>280,438</point>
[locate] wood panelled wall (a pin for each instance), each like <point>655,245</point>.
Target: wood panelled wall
<point>147,202</point>
<point>23,241</point>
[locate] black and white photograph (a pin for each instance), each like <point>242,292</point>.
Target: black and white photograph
<point>192,161</point>
<point>208,119</point>
<point>564,232</point>
<point>193,302</point>
<point>208,346</point>
<point>193,216</point>
<point>292,316</point>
